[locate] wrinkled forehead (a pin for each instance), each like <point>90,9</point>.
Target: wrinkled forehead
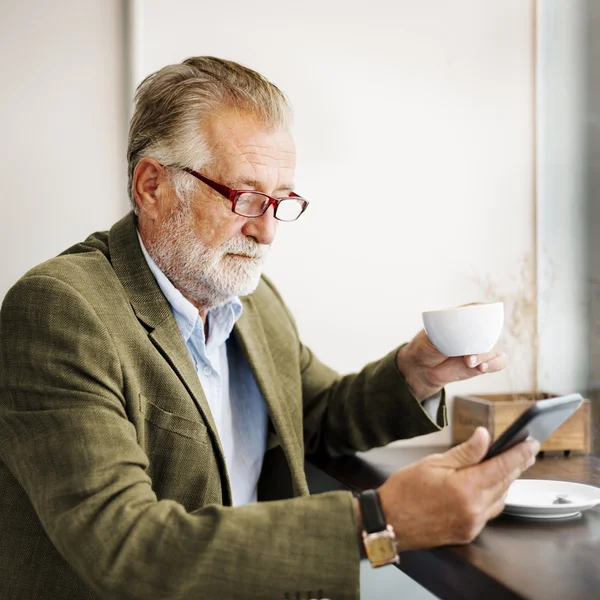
<point>243,147</point>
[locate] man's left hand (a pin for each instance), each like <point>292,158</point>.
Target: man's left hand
<point>427,371</point>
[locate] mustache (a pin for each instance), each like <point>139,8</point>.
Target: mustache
<point>246,247</point>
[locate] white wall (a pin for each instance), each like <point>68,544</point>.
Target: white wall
<point>415,142</point>
<point>593,118</point>
<point>63,123</point>
<point>415,146</point>
<point>563,196</point>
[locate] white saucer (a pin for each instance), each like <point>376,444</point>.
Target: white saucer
<point>542,517</point>
<point>535,498</point>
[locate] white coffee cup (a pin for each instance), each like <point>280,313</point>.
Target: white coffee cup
<point>465,330</point>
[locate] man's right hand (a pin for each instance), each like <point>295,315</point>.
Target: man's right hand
<point>448,498</point>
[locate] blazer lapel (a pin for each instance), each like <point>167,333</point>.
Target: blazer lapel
<point>152,308</point>
<point>253,340</point>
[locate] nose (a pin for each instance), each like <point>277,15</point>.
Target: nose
<point>262,228</point>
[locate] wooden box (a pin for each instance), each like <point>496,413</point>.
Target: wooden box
<point>497,411</point>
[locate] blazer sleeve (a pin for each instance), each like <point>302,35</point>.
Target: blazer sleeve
<point>363,410</point>
<point>65,437</point>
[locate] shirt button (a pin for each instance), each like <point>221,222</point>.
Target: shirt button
<point>207,371</point>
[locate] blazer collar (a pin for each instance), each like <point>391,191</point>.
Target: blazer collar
<point>258,350</point>
<point>131,268</point>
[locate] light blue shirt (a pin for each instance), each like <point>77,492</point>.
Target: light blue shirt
<point>237,405</point>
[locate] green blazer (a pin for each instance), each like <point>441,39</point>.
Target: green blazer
<point>113,482</point>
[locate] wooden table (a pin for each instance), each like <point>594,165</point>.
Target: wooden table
<point>512,558</point>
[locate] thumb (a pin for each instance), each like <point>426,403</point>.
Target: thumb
<point>470,452</point>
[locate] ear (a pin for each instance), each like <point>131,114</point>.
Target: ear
<point>150,188</point>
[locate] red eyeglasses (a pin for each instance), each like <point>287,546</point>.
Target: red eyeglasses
<point>247,203</point>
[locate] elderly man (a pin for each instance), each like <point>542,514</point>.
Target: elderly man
<point>153,426</point>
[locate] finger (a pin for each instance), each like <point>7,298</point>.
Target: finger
<point>468,453</point>
<point>499,472</point>
<point>496,500</point>
<point>496,508</point>
<point>498,363</point>
<point>452,369</point>
<point>473,360</point>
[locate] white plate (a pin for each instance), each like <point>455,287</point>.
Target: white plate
<point>535,498</point>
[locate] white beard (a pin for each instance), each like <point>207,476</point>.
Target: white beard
<point>208,277</point>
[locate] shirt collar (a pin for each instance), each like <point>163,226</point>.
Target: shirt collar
<point>221,319</point>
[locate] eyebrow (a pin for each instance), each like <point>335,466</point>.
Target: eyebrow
<point>253,183</point>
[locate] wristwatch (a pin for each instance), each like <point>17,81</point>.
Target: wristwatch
<point>378,536</point>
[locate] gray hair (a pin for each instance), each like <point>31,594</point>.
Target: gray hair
<point>170,104</point>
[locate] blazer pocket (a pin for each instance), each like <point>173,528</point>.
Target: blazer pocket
<point>163,419</point>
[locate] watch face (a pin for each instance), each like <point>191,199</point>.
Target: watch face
<point>381,548</point>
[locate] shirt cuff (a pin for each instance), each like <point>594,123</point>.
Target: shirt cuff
<point>430,405</point>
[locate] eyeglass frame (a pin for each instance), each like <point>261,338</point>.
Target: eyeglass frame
<point>233,196</point>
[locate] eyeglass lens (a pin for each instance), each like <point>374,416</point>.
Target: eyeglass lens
<point>253,205</point>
